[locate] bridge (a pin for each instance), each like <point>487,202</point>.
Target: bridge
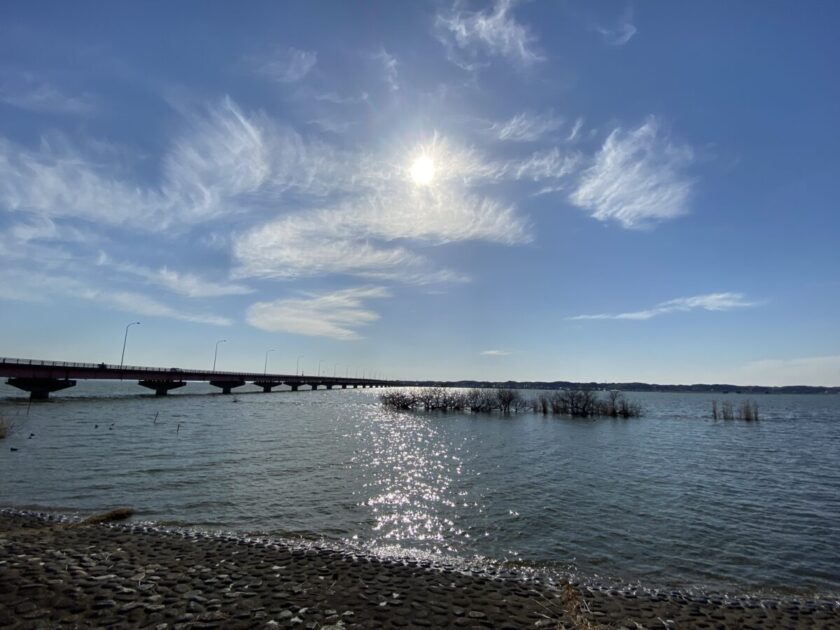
<point>41,378</point>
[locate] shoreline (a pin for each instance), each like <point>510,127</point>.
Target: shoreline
<point>54,571</point>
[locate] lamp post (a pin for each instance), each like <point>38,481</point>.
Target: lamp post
<point>265,367</point>
<point>320,361</point>
<point>216,352</point>
<point>297,365</point>
<point>335,369</point>
<point>125,339</point>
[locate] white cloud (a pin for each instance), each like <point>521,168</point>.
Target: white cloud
<point>186,284</point>
<point>636,178</point>
<point>527,127</point>
<point>288,66</point>
<point>493,32</point>
<point>368,232</point>
<point>332,125</point>
<point>389,64</point>
<point>708,302</point>
<point>59,181</point>
<point>360,215</point>
<point>337,99</point>
<point>541,166</point>
<point>575,132</point>
<point>139,304</point>
<point>621,33</point>
<point>820,371</point>
<point>495,353</point>
<point>358,238</point>
<point>221,158</point>
<point>337,315</point>
<point>34,286</point>
<point>25,91</point>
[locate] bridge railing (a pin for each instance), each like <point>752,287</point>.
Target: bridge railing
<point>259,376</point>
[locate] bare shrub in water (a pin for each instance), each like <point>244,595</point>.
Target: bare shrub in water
<point>574,403</point>
<point>748,411</point>
<point>480,400</point>
<point>579,403</point>
<point>507,398</point>
<point>726,411</point>
<point>6,428</point>
<point>399,400</point>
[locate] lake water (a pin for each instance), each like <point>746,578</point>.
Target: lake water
<point>670,500</point>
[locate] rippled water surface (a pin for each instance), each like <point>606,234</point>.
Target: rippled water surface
<point>673,499</point>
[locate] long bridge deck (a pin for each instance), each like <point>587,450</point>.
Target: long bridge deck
<point>41,378</point>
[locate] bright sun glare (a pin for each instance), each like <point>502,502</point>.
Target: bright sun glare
<point>423,171</point>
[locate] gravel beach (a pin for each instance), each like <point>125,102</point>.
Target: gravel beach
<point>54,573</point>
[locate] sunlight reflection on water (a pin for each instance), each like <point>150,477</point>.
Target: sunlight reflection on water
<point>673,499</point>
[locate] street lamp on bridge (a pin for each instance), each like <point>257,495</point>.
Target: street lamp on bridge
<point>320,361</point>
<point>297,365</point>
<point>265,367</point>
<point>335,369</point>
<point>125,339</point>
<point>216,352</point>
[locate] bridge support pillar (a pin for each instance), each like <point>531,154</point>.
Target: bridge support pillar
<point>267,385</point>
<point>161,387</point>
<point>329,386</point>
<point>40,388</point>
<point>344,386</point>
<point>294,386</point>
<point>314,386</point>
<point>226,386</point>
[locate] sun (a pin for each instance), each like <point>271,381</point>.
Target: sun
<point>423,171</point>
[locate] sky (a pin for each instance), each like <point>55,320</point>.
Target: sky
<point>612,191</point>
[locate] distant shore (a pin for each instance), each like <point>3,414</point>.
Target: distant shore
<point>53,572</point>
<point>634,387</point>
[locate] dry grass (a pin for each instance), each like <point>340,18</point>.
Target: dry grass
<point>567,610</point>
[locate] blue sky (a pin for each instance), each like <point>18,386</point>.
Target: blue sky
<point>585,191</point>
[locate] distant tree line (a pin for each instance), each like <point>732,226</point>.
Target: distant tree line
<point>573,403</point>
<point>630,387</point>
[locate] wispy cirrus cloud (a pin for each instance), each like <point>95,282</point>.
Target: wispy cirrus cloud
<point>493,32</point>
<point>36,286</point>
<point>361,238</point>
<point>707,302</point>
<point>380,216</point>
<point>219,158</point>
<point>620,32</point>
<point>495,353</point>
<point>139,304</point>
<point>362,214</point>
<point>527,127</point>
<point>287,65</point>
<point>336,315</point>
<point>26,91</point>
<point>576,129</point>
<point>182,283</point>
<point>541,166</point>
<point>637,178</point>
<point>390,67</point>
